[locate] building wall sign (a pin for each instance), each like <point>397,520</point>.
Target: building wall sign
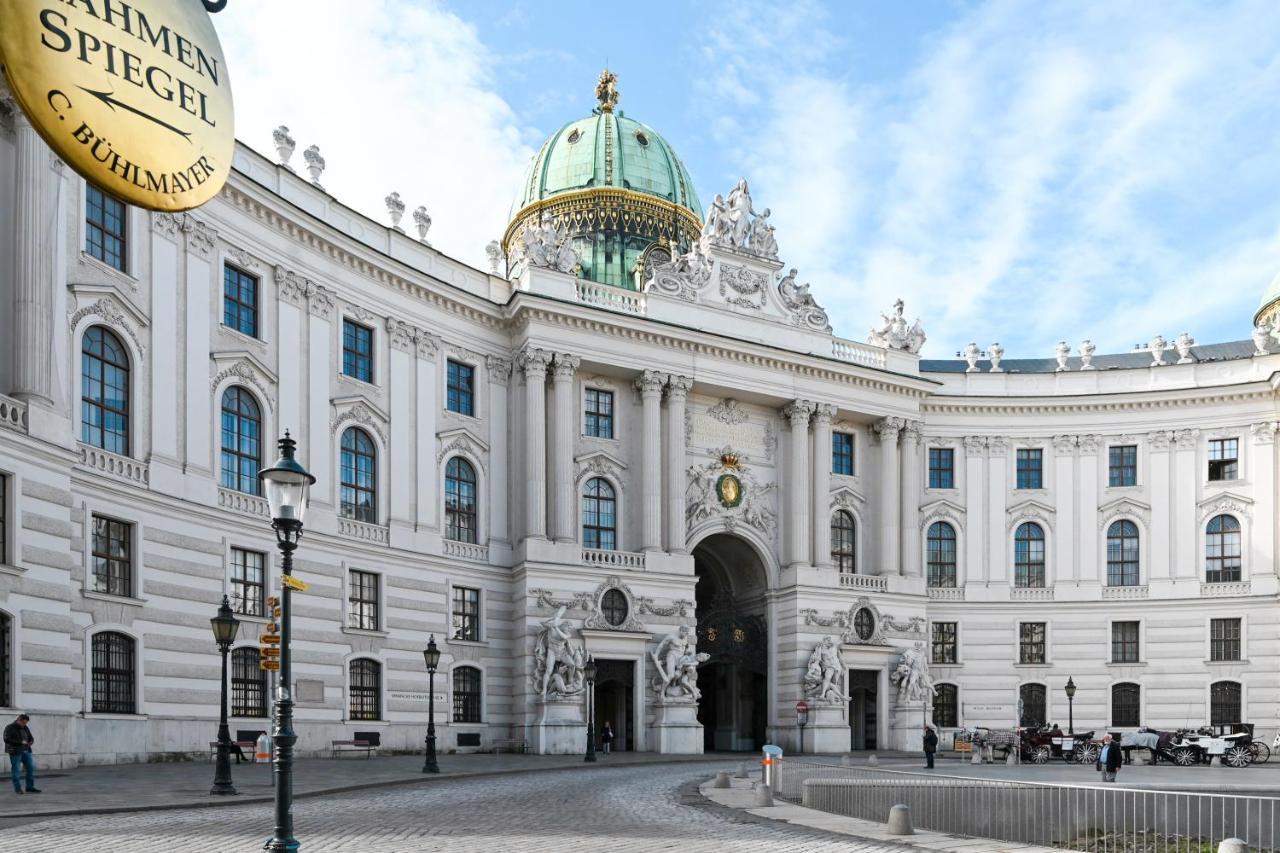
<point>133,96</point>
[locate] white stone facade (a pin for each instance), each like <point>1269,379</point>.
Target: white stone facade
<point>717,372</point>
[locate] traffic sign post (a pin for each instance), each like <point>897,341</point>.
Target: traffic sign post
<point>269,639</point>
<point>802,719</point>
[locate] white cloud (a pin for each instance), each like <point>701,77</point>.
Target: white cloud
<point>398,97</point>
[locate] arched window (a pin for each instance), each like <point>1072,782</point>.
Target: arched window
<point>248,683</point>
<point>1222,550</point>
<point>1032,698</point>
<point>365,692</point>
<point>241,441</point>
<point>599,515</point>
<point>104,391</point>
<point>1224,703</point>
<point>1126,709</point>
<point>614,607</point>
<point>466,695</point>
<point>843,553</point>
<point>1028,555</point>
<point>941,557</point>
<point>359,498</point>
<point>1122,554</point>
<point>946,706</point>
<point>113,674</point>
<point>460,501</point>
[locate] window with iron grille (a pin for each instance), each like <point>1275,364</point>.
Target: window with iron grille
<point>942,468</point>
<point>365,692</point>
<point>1030,468</point>
<point>1122,468</point>
<point>599,515</point>
<point>460,501</point>
<point>362,601</point>
<point>104,227</point>
<point>240,301</point>
<point>1031,642</point>
<point>946,649</point>
<point>1222,550</point>
<point>1124,642</point>
<point>104,391</point>
<point>1224,703</point>
<point>357,351</point>
<point>1033,698</point>
<point>112,556</point>
<point>842,453</point>
<point>614,607</point>
<point>1224,639</point>
<point>946,706</point>
<point>6,661</point>
<point>940,557</point>
<point>599,414</point>
<point>1028,555</point>
<point>1126,705</point>
<point>248,683</point>
<point>4,519</point>
<point>1224,457</point>
<point>843,543</point>
<point>248,581</point>
<point>460,388</point>
<point>466,614</point>
<point>466,694</point>
<point>113,674</point>
<point>241,441</point>
<point>1122,553</point>
<point>359,487</point>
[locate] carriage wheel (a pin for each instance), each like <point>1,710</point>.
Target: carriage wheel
<point>1184,756</point>
<point>1089,753</point>
<point>1040,755</point>
<point>1261,752</point>
<point>1238,755</point>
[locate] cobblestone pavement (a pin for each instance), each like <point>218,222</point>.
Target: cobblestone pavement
<point>619,810</point>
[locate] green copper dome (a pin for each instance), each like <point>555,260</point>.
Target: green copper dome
<point>1270,307</point>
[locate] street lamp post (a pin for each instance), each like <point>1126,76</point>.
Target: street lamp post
<point>1071,701</point>
<point>287,484</point>
<point>225,628</point>
<point>590,672</point>
<point>431,654</point>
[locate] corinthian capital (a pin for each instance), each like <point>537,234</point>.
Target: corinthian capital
<point>650,382</point>
<point>678,387</point>
<point>974,445</point>
<point>912,431</point>
<point>532,362</point>
<point>888,428</point>
<point>823,412</point>
<point>566,366</point>
<point>798,412</point>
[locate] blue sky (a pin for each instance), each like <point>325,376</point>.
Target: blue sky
<point>1017,172</point>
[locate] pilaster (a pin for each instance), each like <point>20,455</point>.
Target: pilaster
<point>1087,541</point>
<point>1064,471</point>
<point>562,448</point>
<point>677,394</point>
<point>35,250</point>
<point>1187,489</point>
<point>798,413</point>
<point>1163,501</point>
<point>533,363</point>
<point>499,376</point>
<point>649,384</point>
<point>888,429</point>
<point>998,555</point>
<point>975,490</point>
<point>425,348</point>
<point>821,485</point>
<point>910,510</point>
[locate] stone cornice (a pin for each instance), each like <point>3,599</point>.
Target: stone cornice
<point>1093,403</point>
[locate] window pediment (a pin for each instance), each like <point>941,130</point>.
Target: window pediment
<point>1030,510</point>
<point>462,440</point>
<point>244,367</point>
<point>599,462</point>
<point>942,510</point>
<point>1225,502</point>
<point>846,498</point>
<point>1123,507</point>
<point>360,411</point>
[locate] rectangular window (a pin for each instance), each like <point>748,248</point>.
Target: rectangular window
<point>248,683</point>
<point>362,603</point>
<point>248,579</point>
<point>1224,639</point>
<point>104,227</point>
<point>944,642</point>
<point>599,414</point>
<point>357,351</point>
<point>112,556</point>
<point>4,519</point>
<point>1030,468</point>
<point>1124,642</point>
<point>1224,456</point>
<point>466,614</point>
<point>240,301</point>
<point>461,389</point>
<point>1031,644</point>
<point>842,453</point>
<point>942,468</point>
<point>1122,468</point>
<point>1126,705</point>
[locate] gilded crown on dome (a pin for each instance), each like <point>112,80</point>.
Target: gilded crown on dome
<point>607,91</point>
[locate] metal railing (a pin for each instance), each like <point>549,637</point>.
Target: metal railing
<point>1096,819</point>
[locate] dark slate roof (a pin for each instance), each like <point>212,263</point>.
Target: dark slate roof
<point>1119,361</point>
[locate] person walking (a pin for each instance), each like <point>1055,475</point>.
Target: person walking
<point>606,738</point>
<point>1110,759</point>
<point>18,741</point>
<point>930,745</point>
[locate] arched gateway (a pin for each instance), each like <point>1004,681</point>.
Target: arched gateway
<point>732,608</point>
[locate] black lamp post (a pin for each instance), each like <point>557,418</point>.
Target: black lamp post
<point>1071,699</point>
<point>431,655</point>
<point>225,628</point>
<point>590,672</point>
<point>287,484</point>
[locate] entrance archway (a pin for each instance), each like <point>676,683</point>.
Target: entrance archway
<point>732,609</point>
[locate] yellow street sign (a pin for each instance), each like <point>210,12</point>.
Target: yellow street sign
<point>134,96</point>
<point>269,665</point>
<point>294,583</point>
<point>270,652</point>
<point>273,601</point>
<point>269,639</point>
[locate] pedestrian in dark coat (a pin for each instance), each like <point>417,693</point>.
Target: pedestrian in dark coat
<point>18,741</point>
<point>606,738</point>
<point>930,746</point>
<point>1110,759</point>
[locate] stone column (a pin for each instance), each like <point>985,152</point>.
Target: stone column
<point>910,495</point>
<point>649,384</point>
<point>1186,488</point>
<point>888,429</point>
<point>533,362</point>
<point>1163,500</point>
<point>820,484</point>
<point>798,496</point>
<point>562,448</point>
<point>677,391</point>
<point>34,255</point>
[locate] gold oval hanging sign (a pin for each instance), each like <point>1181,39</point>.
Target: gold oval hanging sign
<point>133,94</point>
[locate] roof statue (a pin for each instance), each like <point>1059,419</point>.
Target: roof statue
<point>607,90</point>
<point>732,222</point>
<point>894,333</point>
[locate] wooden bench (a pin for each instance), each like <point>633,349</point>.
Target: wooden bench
<point>366,742</point>
<point>248,747</point>
<point>510,744</point>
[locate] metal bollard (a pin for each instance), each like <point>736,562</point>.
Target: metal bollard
<point>846,761</point>
<point>1232,845</point>
<point>872,760</point>
<point>764,796</point>
<point>975,757</point>
<point>742,770</point>
<point>900,820</point>
<point>1011,759</point>
<point>722,780</point>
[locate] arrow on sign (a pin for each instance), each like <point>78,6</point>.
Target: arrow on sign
<point>269,665</point>
<point>294,584</point>
<point>112,103</point>
<point>269,639</point>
